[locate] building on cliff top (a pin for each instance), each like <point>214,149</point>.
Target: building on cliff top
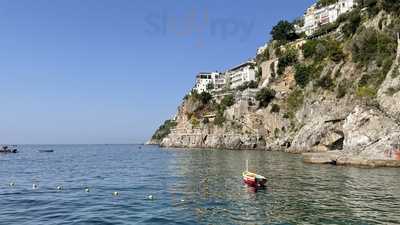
<point>206,81</point>
<point>316,17</point>
<point>242,73</point>
<point>235,77</point>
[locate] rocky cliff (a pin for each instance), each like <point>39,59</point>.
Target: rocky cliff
<point>335,98</point>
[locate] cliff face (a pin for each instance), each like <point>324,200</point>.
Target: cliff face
<point>333,99</point>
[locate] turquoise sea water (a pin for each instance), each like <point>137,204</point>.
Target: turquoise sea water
<point>188,187</point>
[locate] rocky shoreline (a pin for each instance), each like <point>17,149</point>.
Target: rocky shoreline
<point>348,115</point>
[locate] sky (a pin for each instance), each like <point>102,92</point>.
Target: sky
<point>111,71</point>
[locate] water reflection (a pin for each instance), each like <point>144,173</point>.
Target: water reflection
<point>189,187</point>
<point>295,191</point>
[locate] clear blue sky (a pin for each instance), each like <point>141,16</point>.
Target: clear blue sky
<point>111,71</point>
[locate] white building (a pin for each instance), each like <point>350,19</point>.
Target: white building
<point>316,17</point>
<point>204,80</point>
<point>242,73</point>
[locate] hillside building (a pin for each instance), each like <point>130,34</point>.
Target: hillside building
<point>316,17</point>
<point>242,73</point>
<point>206,82</point>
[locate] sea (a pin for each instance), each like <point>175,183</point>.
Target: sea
<point>137,184</point>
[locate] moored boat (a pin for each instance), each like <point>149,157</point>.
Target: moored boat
<point>46,150</point>
<point>253,179</point>
<point>8,149</point>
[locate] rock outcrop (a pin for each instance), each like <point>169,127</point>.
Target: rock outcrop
<point>331,120</point>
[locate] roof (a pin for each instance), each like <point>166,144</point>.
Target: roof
<point>242,65</point>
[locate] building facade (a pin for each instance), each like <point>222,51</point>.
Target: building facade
<point>206,80</point>
<point>242,73</point>
<point>316,17</point>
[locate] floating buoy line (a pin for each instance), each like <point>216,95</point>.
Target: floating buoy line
<point>86,189</point>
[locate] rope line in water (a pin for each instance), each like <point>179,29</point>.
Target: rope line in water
<point>86,189</point>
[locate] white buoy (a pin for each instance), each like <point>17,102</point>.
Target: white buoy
<point>182,200</point>
<point>115,193</point>
<point>150,197</point>
<point>12,184</point>
<point>34,186</point>
<point>59,188</point>
<point>87,190</point>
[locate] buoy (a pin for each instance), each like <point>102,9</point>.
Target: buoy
<point>150,197</point>
<point>182,200</point>
<point>87,189</point>
<point>115,193</point>
<point>59,188</point>
<point>34,186</point>
<point>12,184</point>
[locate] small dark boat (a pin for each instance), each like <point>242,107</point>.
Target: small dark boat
<point>8,149</point>
<point>252,179</point>
<point>46,150</point>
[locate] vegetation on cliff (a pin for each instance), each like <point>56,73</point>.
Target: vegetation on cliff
<point>308,88</point>
<point>164,130</point>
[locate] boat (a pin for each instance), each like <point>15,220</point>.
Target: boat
<point>253,179</point>
<point>46,150</point>
<point>8,149</point>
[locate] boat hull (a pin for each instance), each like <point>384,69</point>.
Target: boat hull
<point>254,180</point>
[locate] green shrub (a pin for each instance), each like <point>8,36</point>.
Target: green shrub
<point>371,5</point>
<point>342,88</point>
<point>204,97</point>
<point>325,29</point>
<point>253,84</point>
<point>370,45</point>
<point>219,119</point>
<point>164,130</point>
<point>352,23</point>
<point>391,6</point>
<point>366,92</point>
<point>228,101</point>
<point>335,51</point>
<point>275,108</point>
<point>303,75</point>
<point>246,85</point>
<point>321,49</point>
<point>194,121</point>
<point>283,32</point>
<point>309,48</point>
<point>264,56</point>
<point>323,3</point>
<point>265,96</point>
<point>287,59</point>
<point>295,100</point>
<point>372,80</point>
<point>326,83</point>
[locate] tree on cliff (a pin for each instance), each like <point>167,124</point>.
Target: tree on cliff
<point>323,3</point>
<point>284,31</point>
<point>265,96</point>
